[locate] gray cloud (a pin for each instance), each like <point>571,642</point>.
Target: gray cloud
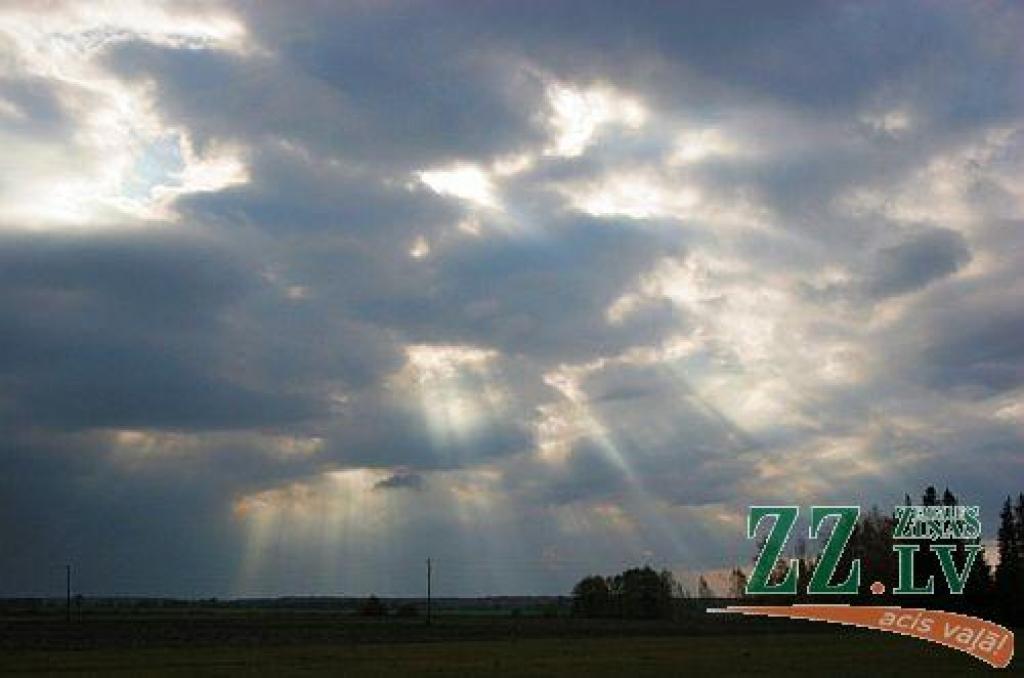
<point>980,349</point>
<point>791,271</point>
<point>127,331</point>
<point>917,261</point>
<point>398,481</point>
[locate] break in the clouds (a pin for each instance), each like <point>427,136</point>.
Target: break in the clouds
<point>293,296</point>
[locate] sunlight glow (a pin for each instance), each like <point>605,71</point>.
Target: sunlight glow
<point>420,248</point>
<point>120,159</point>
<point>600,518</point>
<point>510,165</point>
<point>326,521</point>
<point>466,182</point>
<point>698,145</point>
<point>748,331</point>
<point>453,386</point>
<point>578,114</point>
<point>638,195</point>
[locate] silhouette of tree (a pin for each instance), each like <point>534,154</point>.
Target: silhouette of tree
<point>1009,579</point>
<point>871,541</point>
<point>976,596</point>
<point>737,583</point>
<point>1018,518</point>
<point>638,593</point>
<point>642,593</point>
<point>591,597</point>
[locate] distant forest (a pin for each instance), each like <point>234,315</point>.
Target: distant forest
<point>993,593</point>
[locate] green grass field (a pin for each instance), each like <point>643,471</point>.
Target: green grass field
<point>302,642</point>
<point>764,654</point>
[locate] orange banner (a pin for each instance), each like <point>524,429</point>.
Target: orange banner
<point>991,643</point>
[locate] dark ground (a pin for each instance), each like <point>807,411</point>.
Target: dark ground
<point>226,640</point>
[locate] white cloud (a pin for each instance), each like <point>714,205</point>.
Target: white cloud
<point>578,115</point>
<point>635,194</point>
<point>694,146</point>
<point>118,159</point>
<point>464,181</point>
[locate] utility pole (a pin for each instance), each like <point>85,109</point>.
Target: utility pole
<point>428,590</point>
<point>67,572</point>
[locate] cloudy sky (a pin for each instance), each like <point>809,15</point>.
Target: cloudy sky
<point>294,295</point>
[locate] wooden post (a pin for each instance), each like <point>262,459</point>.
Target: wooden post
<point>428,590</point>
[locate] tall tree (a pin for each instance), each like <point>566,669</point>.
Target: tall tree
<point>737,583</point>
<point>1018,536</point>
<point>926,565</point>
<point>591,597</point>
<point>704,589</point>
<point>1009,584</point>
<point>871,542</point>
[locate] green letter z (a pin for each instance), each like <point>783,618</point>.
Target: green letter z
<point>833,551</point>
<point>759,582</point>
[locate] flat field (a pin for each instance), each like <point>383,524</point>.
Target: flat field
<point>275,642</point>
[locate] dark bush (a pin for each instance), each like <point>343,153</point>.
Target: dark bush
<point>373,607</point>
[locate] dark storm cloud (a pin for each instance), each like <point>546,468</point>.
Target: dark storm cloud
<point>173,280</point>
<point>540,296</point>
<point>979,348</point>
<point>293,189</point>
<point>131,533</point>
<point>418,100</point>
<point>921,259</point>
<point>125,331</point>
<point>831,58</point>
<point>400,481</point>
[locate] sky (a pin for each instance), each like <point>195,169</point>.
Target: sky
<point>296,295</point>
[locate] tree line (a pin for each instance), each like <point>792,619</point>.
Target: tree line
<point>636,593</point>
<point>1008,587</point>
<point>990,592</point>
